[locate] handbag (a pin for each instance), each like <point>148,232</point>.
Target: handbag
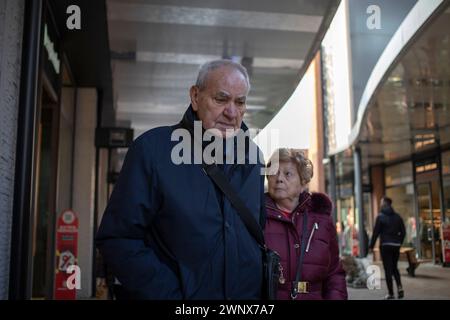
<point>271,259</point>
<point>271,273</point>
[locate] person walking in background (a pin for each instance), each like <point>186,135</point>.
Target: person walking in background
<point>391,229</point>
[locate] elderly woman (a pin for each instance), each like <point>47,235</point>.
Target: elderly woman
<point>295,216</point>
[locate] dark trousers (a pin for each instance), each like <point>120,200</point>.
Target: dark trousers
<point>390,255</point>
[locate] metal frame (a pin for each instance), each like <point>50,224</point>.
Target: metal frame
<point>359,200</point>
<point>436,154</point>
<point>96,193</point>
<point>21,237</point>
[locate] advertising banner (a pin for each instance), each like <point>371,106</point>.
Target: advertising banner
<point>66,254</point>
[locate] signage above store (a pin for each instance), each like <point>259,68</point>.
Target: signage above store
<point>52,54</point>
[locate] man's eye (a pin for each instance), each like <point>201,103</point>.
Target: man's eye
<point>221,100</point>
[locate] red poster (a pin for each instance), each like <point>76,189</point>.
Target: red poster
<point>66,253</point>
<point>446,242</point>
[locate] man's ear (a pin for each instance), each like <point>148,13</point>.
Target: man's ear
<point>193,93</point>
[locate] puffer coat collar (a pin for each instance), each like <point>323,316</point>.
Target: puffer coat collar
<point>315,202</point>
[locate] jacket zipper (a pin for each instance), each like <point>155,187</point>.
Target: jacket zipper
<point>315,227</point>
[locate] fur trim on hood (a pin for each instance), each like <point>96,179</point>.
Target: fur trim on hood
<point>321,203</point>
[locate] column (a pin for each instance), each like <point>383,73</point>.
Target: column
<point>332,186</point>
<point>84,183</point>
<point>20,27</point>
<point>359,201</point>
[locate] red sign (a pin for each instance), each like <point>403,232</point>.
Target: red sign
<point>446,242</point>
<point>66,254</point>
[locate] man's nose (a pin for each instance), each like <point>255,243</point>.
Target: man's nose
<point>231,110</point>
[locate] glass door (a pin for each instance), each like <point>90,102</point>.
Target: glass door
<point>429,220</point>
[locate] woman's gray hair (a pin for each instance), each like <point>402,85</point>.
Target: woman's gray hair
<point>206,68</point>
<point>304,165</point>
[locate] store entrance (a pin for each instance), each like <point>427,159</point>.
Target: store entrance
<point>429,216</point>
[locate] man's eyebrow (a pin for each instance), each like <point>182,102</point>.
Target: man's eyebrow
<point>222,94</point>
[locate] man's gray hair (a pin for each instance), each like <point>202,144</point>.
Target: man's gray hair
<point>206,68</point>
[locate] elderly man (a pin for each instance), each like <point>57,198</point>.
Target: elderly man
<point>168,232</point>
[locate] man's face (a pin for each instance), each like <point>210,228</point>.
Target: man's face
<point>221,104</point>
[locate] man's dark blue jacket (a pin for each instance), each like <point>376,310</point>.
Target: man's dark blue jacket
<point>167,233</point>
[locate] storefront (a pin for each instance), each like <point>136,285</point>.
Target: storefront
<point>420,193</point>
<point>53,157</point>
<point>398,131</point>
<point>65,92</point>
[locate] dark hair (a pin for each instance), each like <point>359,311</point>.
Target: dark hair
<point>386,201</point>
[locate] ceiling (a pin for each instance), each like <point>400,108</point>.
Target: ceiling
<point>157,47</point>
<point>87,51</point>
<point>410,113</point>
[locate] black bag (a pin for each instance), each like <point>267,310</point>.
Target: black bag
<point>271,263</point>
<point>271,259</point>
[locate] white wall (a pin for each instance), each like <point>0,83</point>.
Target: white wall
<point>291,127</point>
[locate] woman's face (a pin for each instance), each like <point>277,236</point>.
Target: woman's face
<point>285,183</point>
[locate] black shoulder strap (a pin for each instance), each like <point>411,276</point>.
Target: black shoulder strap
<point>219,178</point>
<point>302,254</point>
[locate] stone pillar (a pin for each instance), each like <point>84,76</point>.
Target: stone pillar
<point>316,150</point>
<point>378,190</point>
<point>84,183</point>
<point>332,186</point>
<point>11,26</point>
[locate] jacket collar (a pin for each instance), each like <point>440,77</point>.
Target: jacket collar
<point>388,211</point>
<point>187,122</point>
<point>273,211</point>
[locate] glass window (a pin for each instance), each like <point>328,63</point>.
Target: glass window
<point>348,237</point>
<point>399,174</point>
